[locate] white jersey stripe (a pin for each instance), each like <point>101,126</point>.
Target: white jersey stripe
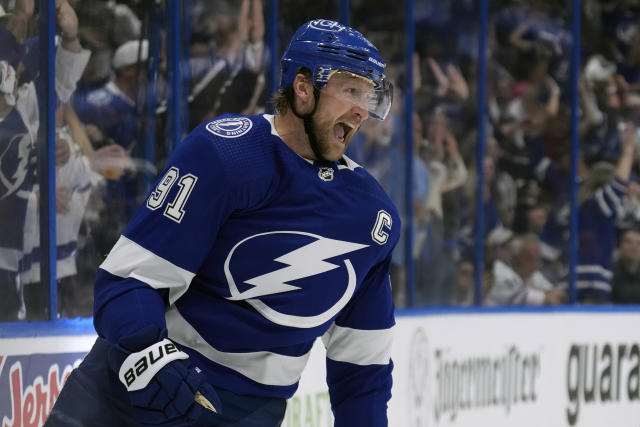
<point>129,259</point>
<point>602,203</point>
<point>594,269</point>
<point>620,186</point>
<point>358,346</point>
<point>593,284</point>
<point>10,259</point>
<point>263,367</point>
<point>615,200</point>
<point>350,164</point>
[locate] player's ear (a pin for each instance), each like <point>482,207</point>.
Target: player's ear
<point>303,88</point>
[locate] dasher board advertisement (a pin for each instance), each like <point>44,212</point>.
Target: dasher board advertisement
<point>32,373</point>
<point>517,369</point>
<point>451,369</point>
<point>552,369</point>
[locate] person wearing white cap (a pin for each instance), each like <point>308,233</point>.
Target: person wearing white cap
<point>112,108</point>
<point>129,53</point>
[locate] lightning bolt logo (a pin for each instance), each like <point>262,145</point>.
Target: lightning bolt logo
<point>302,262</point>
<point>306,261</point>
<point>22,157</point>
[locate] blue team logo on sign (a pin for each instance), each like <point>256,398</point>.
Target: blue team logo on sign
<point>231,127</point>
<point>304,285</point>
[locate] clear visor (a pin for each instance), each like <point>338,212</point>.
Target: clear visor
<point>361,92</point>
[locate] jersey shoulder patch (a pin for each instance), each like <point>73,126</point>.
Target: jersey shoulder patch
<point>230,127</point>
<point>236,134</point>
<point>233,127</point>
<point>242,145</point>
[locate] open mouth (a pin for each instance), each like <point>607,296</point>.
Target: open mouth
<point>342,130</point>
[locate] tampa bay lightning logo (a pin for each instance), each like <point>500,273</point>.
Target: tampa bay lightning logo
<point>326,25</point>
<point>230,127</point>
<point>305,258</point>
<point>14,160</point>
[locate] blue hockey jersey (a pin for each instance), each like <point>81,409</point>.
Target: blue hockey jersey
<point>17,161</point>
<point>111,110</point>
<point>597,241</point>
<point>247,252</point>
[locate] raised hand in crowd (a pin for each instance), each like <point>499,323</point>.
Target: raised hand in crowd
<point>248,28</point>
<point>441,77</point>
<point>553,104</point>
<point>256,22</point>
<point>250,25</point>
<point>457,83</point>
<point>628,138</point>
<point>244,22</point>
<point>450,80</point>
<point>67,21</point>
<point>18,22</point>
<point>234,40</point>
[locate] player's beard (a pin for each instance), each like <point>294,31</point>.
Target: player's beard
<point>317,139</point>
<point>318,134</point>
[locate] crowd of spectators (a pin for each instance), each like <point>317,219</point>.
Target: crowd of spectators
<point>527,181</point>
<point>102,88</point>
<point>104,51</point>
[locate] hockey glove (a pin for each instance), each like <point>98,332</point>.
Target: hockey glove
<point>163,388</point>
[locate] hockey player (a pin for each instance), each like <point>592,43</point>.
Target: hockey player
<point>259,237</point>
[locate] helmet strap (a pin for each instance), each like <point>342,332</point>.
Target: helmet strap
<point>307,119</point>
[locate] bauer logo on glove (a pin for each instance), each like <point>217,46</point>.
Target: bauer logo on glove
<point>138,368</point>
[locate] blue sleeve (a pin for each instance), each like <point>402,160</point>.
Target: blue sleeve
<point>86,112</point>
<point>170,235</point>
<point>358,354</point>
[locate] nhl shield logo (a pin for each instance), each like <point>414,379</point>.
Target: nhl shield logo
<point>325,173</point>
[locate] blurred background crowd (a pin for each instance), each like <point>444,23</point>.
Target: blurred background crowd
<point>111,86</point>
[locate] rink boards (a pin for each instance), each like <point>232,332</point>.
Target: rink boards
<point>452,368</point>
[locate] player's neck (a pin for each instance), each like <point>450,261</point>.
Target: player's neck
<point>291,131</point>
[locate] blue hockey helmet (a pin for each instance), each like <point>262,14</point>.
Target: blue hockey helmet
<point>324,47</point>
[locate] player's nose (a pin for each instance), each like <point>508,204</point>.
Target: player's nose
<point>360,112</point>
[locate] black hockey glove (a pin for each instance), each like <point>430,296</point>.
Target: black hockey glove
<point>164,390</point>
